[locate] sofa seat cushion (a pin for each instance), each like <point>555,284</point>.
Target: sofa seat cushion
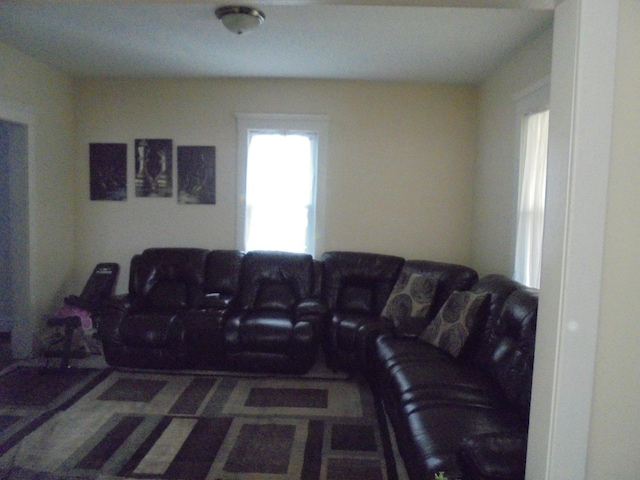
<point>390,351</point>
<point>436,433</point>
<point>152,330</point>
<point>440,381</point>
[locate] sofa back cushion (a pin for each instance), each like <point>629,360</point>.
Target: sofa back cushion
<point>503,345</point>
<point>480,345</point>
<point>222,273</point>
<point>513,349</point>
<point>275,280</point>
<point>357,282</point>
<point>167,279</point>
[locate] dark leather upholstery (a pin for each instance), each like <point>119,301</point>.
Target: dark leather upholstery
<point>204,326</point>
<point>449,278</point>
<point>148,330</point>
<point>494,456</point>
<point>355,288</point>
<point>435,401</point>
<point>274,324</point>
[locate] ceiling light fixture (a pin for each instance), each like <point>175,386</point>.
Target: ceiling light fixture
<point>240,19</point>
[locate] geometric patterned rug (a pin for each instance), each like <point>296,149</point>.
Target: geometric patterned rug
<point>216,427</point>
<point>29,396</point>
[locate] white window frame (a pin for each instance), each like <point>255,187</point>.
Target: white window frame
<point>534,99</point>
<point>317,124</point>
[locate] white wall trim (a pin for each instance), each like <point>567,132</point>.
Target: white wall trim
<point>582,95</point>
<point>541,85</point>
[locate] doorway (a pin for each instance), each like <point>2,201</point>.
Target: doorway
<point>15,303</point>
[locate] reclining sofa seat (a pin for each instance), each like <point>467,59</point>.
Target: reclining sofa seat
<point>467,416</point>
<point>355,288</point>
<point>274,324</point>
<point>146,328</point>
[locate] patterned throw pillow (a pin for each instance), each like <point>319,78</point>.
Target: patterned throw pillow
<point>451,326</point>
<point>410,302</point>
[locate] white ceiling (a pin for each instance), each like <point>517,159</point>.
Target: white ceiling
<point>307,39</point>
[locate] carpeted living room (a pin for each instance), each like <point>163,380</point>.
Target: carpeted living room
<point>142,405</point>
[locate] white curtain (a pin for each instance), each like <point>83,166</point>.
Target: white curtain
<point>533,177</point>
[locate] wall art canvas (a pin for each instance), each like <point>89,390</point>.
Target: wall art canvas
<point>154,168</point>
<point>108,171</point>
<point>197,175</point>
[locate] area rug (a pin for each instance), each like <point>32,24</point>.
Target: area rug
<point>175,426</point>
<point>29,396</point>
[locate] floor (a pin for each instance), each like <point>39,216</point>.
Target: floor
<point>92,361</point>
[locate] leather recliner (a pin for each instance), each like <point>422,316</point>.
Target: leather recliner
<point>146,328</point>
<point>355,288</point>
<point>274,324</point>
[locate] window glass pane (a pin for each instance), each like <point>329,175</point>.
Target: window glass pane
<point>279,191</point>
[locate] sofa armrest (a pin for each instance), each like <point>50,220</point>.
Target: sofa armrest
<point>366,339</point>
<point>494,456</point>
<point>107,320</point>
<point>310,308</point>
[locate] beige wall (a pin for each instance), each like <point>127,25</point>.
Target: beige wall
<point>497,168</point>
<point>615,427</point>
<point>399,167</point>
<point>49,95</point>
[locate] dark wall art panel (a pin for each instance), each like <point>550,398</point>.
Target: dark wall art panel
<point>197,175</point>
<point>108,171</point>
<point>154,168</point>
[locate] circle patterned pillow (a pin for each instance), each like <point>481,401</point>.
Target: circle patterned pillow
<point>410,302</point>
<point>453,323</point>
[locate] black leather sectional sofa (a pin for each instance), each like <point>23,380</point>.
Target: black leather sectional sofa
<point>461,407</point>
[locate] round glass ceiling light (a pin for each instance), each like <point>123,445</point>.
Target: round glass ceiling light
<point>239,19</point>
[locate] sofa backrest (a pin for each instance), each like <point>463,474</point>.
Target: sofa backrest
<point>479,346</point>
<point>358,282</point>
<point>168,278</point>
<point>275,280</point>
<point>502,344</point>
<point>512,359</point>
<point>222,272</point>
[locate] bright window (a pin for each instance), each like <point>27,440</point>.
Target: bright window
<point>280,191</point>
<point>533,177</point>
<point>280,182</point>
